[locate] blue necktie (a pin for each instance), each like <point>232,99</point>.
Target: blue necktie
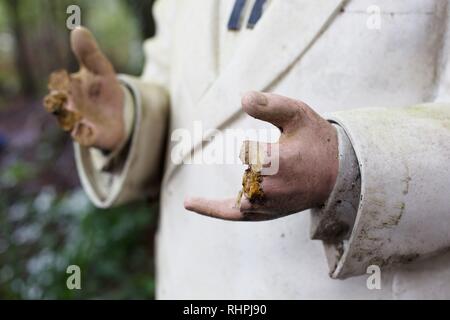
<point>256,13</point>
<point>234,23</point>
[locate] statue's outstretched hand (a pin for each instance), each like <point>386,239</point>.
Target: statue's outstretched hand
<point>307,171</point>
<point>89,103</point>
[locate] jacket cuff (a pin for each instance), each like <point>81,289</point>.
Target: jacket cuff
<point>135,171</point>
<point>403,208</point>
<point>105,161</point>
<point>334,220</point>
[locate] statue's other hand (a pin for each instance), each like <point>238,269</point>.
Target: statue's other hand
<point>88,103</point>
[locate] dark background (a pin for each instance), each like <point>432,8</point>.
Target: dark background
<point>46,221</point>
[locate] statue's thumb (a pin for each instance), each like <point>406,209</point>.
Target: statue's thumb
<point>88,53</point>
<point>276,109</point>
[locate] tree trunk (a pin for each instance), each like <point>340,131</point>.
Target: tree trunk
<point>142,9</point>
<point>22,62</point>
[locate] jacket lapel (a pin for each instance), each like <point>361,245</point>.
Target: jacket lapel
<point>283,35</point>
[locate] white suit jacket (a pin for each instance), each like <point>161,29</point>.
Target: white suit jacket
<point>387,85</point>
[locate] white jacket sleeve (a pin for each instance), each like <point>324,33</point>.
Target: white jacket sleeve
<point>134,170</point>
<point>404,206</point>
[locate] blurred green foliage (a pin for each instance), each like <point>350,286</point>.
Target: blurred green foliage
<point>46,221</point>
<point>49,232</point>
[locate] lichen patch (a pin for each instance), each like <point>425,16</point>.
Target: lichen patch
<point>251,184</point>
<point>56,101</point>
